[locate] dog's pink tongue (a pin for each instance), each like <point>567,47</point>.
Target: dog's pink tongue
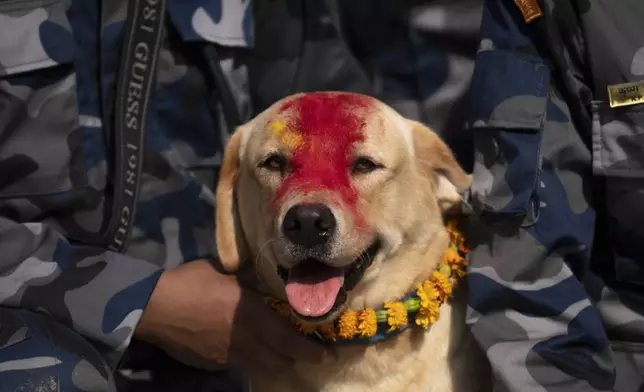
<point>312,288</point>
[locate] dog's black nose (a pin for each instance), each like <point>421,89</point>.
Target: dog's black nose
<point>309,225</point>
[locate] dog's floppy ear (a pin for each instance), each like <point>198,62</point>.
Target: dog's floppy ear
<point>437,161</point>
<point>231,245</point>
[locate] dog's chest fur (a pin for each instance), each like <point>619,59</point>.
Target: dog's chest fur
<point>441,359</point>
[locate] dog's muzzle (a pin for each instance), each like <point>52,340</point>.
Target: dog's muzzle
<point>316,291</point>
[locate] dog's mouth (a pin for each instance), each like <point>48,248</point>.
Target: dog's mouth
<point>315,290</point>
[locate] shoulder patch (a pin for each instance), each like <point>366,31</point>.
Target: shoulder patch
<point>530,9</point>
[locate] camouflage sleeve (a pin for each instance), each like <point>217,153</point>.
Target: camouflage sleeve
<point>531,295</point>
<point>98,293</point>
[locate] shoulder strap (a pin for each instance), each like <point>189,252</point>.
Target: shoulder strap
<point>142,40</point>
<point>143,33</point>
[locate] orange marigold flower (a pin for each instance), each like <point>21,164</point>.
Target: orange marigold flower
<point>442,283</point>
<point>422,318</point>
<point>450,256</point>
<point>367,323</point>
<point>428,313</point>
<point>348,324</point>
<point>396,315</point>
<point>460,272</point>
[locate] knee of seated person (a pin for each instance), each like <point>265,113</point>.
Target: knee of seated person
<point>39,354</point>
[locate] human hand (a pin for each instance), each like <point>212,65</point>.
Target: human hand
<point>205,319</point>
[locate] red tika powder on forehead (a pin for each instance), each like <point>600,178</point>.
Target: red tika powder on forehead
<point>330,124</point>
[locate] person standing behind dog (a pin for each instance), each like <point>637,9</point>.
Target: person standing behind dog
<point>557,266</point>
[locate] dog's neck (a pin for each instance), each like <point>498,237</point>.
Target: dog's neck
<point>405,298</point>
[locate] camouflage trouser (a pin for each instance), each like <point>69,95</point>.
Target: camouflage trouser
<point>40,354</point>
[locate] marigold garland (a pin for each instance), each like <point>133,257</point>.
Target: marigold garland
<point>430,295</point>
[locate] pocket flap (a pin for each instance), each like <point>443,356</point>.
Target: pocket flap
<point>508,106</point>
<point>509,91</point>
<point>34,35</point>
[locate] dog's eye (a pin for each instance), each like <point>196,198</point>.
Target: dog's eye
<point>364,165</point>
<point>274,163</point>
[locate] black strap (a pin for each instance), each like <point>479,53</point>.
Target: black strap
<point>142,40</point>
<point>143,34</point>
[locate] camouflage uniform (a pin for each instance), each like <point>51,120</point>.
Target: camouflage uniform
<point>58,66</point>
<point>557,267</point>
<point>68,307</point>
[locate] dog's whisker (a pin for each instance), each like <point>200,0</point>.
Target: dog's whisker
<point>259,258</point>
<point>363,258</point>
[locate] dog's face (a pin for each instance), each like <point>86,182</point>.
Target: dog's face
<point>323,188</point>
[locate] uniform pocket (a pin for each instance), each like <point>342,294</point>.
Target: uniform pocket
<point>618,155</point>
<point>38,99</point>
<point>508,108</point>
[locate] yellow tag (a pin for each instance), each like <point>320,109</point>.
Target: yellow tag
<point>530,9</point>
<point>626,94</point>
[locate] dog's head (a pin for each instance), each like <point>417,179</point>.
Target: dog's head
<point>322,190</point>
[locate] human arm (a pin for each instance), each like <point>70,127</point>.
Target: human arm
<point>197,314</point>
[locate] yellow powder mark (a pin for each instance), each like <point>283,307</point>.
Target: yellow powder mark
<point>281,130</point>
<point>277,127</point>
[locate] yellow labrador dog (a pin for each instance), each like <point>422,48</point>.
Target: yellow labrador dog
<point>340,202</point>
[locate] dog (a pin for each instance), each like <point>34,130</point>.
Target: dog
<point>341,202</point>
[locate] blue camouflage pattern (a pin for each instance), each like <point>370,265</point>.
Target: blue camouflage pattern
<point>420,56</point>
<point>416,56</point>
<point>556,295</point>
<point>55,182</point>
<point>75,365</point>
<point>68,308</point>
